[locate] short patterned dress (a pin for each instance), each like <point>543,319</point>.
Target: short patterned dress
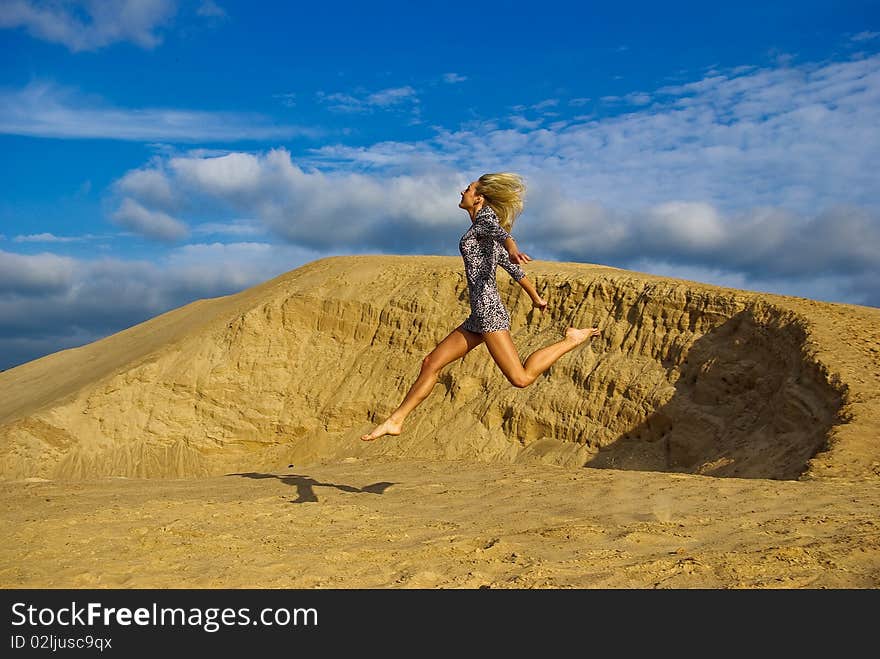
<point>482,249</point>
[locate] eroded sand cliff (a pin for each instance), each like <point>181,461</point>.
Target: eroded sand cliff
<point>686,377</point>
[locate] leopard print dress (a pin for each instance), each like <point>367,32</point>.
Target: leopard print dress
<point>482,249</point>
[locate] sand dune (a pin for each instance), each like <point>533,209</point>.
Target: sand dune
<point>689,379</point>
<point>685,377</point>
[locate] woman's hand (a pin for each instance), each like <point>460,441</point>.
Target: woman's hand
<point>519,257</point>
<point>540,304</point>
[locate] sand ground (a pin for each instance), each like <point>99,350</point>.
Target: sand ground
<point>440,524</point>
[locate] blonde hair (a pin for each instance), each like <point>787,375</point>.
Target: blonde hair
<point>504,192</point>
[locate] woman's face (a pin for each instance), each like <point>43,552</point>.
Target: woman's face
<point>468,196</point>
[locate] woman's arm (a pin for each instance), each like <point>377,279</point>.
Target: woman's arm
<point>519,276</point>
<point>537,300</point>
<point>512,248</point>
<point>513,269</point>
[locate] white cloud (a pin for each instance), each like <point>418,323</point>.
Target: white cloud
<point>309,208</point>
<point>692,226</point>
<point>234,228</point>
<point>818,286</point>
<point>52,238</point>
<point>638,98</point>
<point>800,138</point>
<point>137,21</point>
<point>48,303</point>
<point>770,242</point>
<point>364,103</point>
<point>865,36</point>
<point>232,266</point>
<point>522,122</point>
<point>44,109</point>
<point>340,102</point>
<point>393,96</point>
<point>453,78</point>
<point>150,185</point>
<point>227,175</point>
<point>780,164</point>
<point>416,213</point>
<point>150,223</point>
<point>34,275</point>
<point>546,103</point>
<point>388,157</point>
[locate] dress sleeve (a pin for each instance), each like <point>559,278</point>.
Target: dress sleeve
<point>487,225</point>
<point>513,269</point>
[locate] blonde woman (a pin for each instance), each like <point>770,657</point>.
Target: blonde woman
<point>493,201</point>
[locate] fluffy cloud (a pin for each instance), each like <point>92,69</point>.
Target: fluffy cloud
<point>765,174</point>
<point>779,249</point>
<point>153,224</point>
<point>137,21</point>
<point>38,275</point>
<point>150,185</point>
<point>48,302</point>
<point>312,209</point>
<point>351,212</point>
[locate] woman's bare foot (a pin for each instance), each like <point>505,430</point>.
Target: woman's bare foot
<point>387,427</point>
<point>579,335</point>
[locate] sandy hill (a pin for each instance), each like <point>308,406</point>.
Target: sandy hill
<point>686,377</point>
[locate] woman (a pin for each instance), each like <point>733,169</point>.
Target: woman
<point>493,201</point>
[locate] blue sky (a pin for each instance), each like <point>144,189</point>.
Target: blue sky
<point>161,151</point>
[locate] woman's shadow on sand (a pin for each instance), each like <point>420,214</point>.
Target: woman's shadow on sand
<point>305,485</point>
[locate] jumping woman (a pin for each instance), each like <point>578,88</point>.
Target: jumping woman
<point>493,201</point>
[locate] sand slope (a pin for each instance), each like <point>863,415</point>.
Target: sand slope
<point>686,377</point>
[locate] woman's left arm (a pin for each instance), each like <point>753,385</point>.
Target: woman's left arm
<point>516,256</point>
<point>486,226</point>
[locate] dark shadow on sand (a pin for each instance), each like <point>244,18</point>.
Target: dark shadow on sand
<point>747,404</point>
<point>305,485</point>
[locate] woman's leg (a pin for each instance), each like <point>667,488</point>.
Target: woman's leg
<point>455,346</point>
<point>504,353</point>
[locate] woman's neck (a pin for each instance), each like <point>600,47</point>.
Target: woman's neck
<point>475,210</point>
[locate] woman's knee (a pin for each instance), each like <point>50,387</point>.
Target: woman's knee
<point>432,364</point>
<point>520,380</point>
